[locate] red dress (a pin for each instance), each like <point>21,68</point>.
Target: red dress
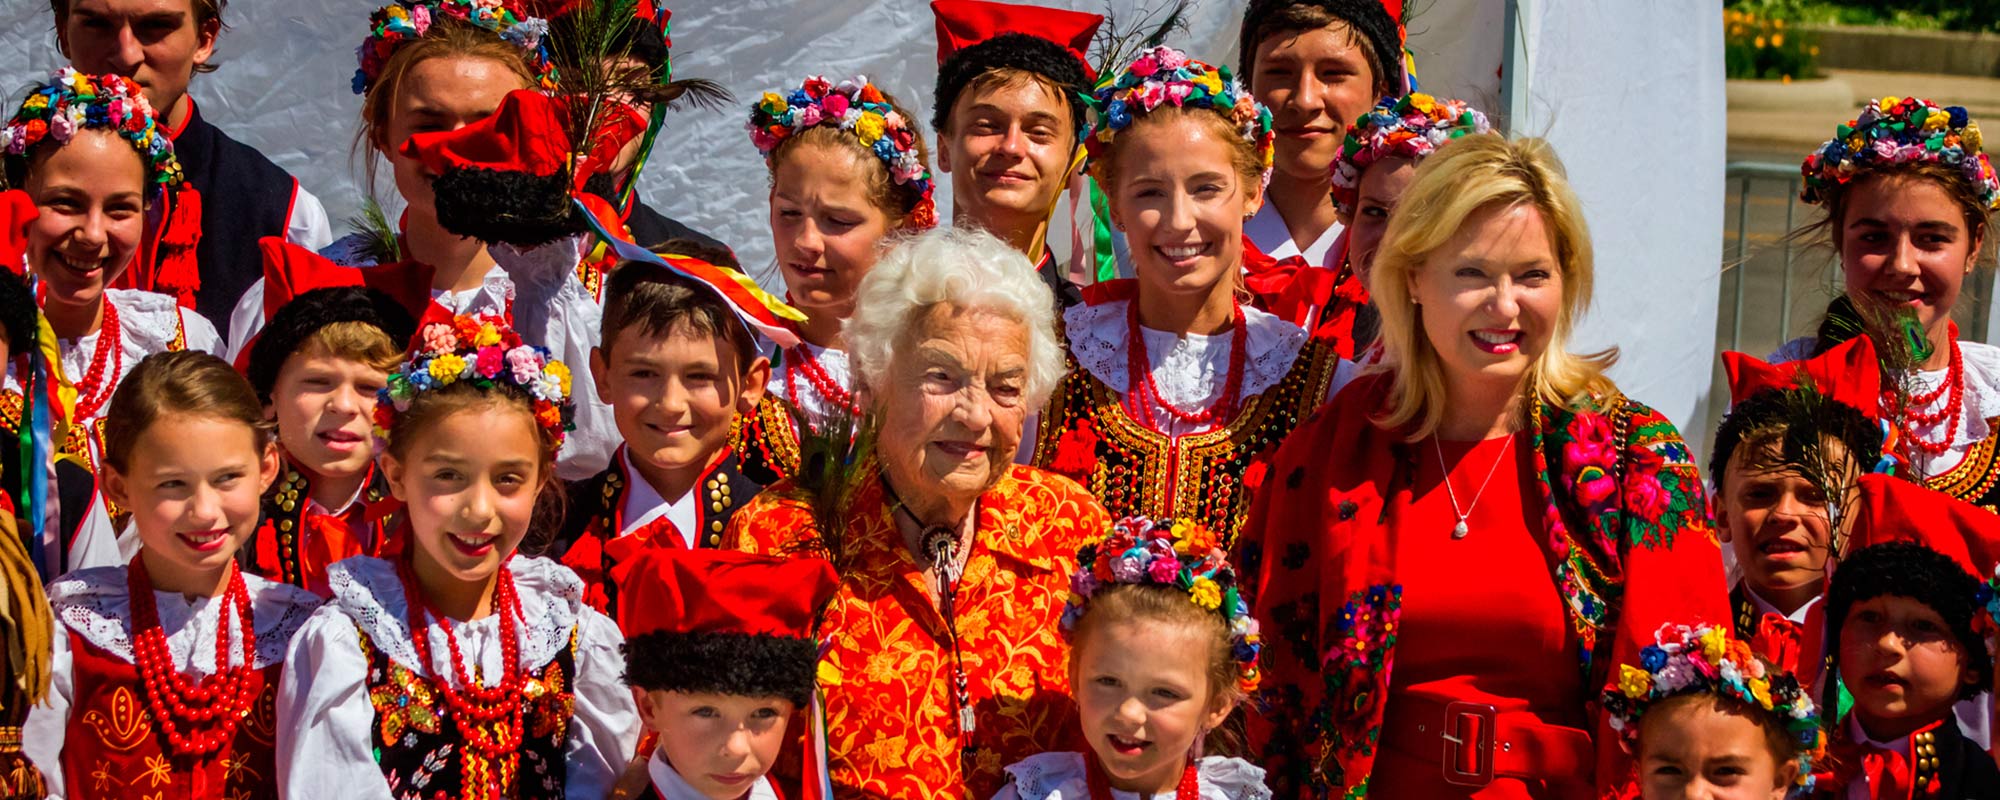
<point>1624,525</point>
<point>1482,622</point>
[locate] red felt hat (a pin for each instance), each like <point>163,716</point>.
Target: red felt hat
<point>529,133</point>
<point>675,590</point>
<point>1847,373</point>
<point>17,209</point>
<point>291,270</point>
<point>1895,510</point>
<point>963,23</point>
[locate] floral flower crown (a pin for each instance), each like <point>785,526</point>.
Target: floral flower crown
<point>1411,126</point>
<point>405,21</point>
<point>485,351</point>
<point>856,106</point>
<point>1706,659</point>
<point>73,101</point>
<point>1165,76</point>
<point>1176,554</point>
<point>1892,131</point>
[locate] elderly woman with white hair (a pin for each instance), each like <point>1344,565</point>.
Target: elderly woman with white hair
<point>1486,511</point>
<point>945,659</point>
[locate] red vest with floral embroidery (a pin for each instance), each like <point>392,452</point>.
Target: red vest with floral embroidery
<point>113,748</point>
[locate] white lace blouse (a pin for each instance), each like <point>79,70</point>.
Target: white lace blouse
<point>1062,776</point>
<point>325,719</point>
<point>96,605</point>
<point>1189,370</point>
<point>788,380</point>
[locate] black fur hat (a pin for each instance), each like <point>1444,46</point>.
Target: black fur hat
<point>301,317</point>
<point>1909,569</point>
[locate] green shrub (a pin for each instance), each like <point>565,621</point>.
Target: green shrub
<point>1758,46</point>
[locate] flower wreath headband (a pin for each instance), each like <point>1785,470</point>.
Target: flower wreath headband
<point>1895,131</point>
<point>1175,554</point>
<point>405,21</point>
<point>1705,658</point>
<point>483,350</point>
<point>73,101</point>
<point>1411,126</point>
<point>856,106</point>
<point>1165,76</point>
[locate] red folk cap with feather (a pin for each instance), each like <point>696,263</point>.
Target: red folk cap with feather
<point>1895,510</point>
<point>1847,373</point>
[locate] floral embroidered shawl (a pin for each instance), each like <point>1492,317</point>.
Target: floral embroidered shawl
<point>1629,545</point>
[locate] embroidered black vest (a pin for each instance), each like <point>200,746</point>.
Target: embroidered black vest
<point>1196,477</point>
<point>418,745</point>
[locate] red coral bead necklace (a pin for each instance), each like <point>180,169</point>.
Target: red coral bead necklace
<point>198,717</point>
<point>800,361</point>
<point>488,718</point>
<point>1954,407</point>
<point>99,382</point>
<point>1139,375</point>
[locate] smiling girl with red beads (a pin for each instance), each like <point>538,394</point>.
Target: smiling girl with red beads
<point>510,686</point>
<point>165,669</point>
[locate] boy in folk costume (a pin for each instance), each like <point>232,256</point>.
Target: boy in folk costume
<point>1911,629</point>
<point>1770,509</point>
<point>1010,119</point>
<point>719,653</point>
<point>318,367</point>
<point>680,365</point>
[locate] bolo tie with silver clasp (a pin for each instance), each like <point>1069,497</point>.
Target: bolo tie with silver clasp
<point>940,544</point>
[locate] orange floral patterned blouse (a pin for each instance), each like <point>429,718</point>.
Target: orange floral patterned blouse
<point>892,727</point>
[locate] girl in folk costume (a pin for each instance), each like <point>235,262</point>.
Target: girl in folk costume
<point>1703,714</point>
<point>460,668</point>
<point>88,152</point>
<point>849,168</point>
<point>1178,388</point>
<point>425,66</point>
<point>1908,197</point>
<point>317,368</point>
<point>165,669</point>
<point>1373,167</point>
<point>1319,65</point>
<point>1510,527</point>
<point>1146,596</point>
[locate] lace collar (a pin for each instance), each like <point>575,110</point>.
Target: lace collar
<point>368,592</point>
<point>96,604</point>
<point>1188,369</point>
<point>1062,775</point>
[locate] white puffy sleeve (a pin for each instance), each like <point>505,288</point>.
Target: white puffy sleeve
<point>307,225</point>
<point>245,320</point>
<point>201,334</point>
<point>553,309</point>
<point>42,734</point>
<point>604,728</point>
<point>325,738</point>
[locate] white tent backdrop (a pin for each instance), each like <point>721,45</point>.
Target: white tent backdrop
<point>1630,94</point>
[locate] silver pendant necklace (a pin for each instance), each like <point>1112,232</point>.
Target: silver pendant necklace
<point>1460,530</point>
